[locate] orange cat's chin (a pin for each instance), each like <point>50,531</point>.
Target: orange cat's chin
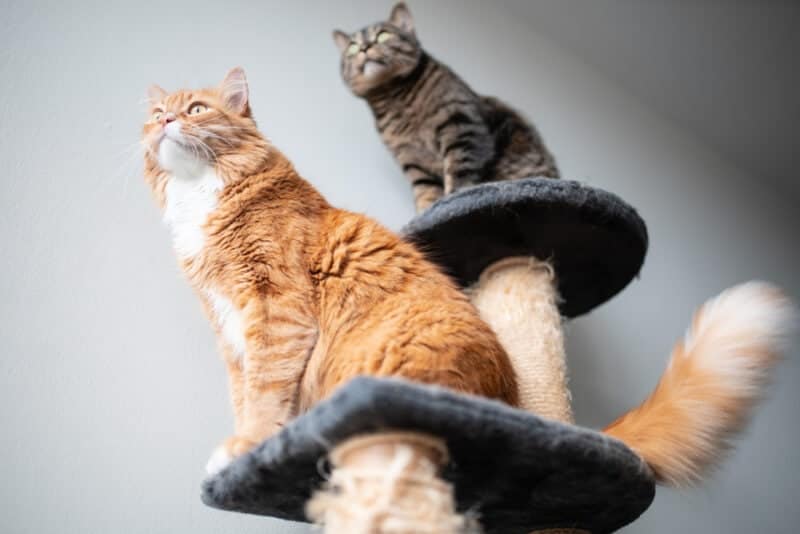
<point>180,159</point>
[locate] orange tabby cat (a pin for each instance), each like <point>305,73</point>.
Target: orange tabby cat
<point>304,296</point>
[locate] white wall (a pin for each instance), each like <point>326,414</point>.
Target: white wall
<point>112,395</point>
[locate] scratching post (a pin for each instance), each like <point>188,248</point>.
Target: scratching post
<point>387,483</point>
<point>518,298</point>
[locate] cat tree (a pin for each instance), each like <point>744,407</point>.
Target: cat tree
<point>528,251</point>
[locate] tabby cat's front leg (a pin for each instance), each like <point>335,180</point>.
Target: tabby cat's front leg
<point>466,151</point>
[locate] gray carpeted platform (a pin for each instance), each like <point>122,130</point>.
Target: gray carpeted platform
<point>518,472</point>
<point>597,242</point>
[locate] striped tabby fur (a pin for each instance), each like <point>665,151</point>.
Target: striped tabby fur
<point>443,134</point>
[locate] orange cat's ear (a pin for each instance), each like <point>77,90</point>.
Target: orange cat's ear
<point>341,39</point>
<point>155,94</point>
<point>234,92</point>
<point>401,17</point>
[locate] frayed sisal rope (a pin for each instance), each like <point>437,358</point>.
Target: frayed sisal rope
<point>388,483</point>
<point>518,298</point>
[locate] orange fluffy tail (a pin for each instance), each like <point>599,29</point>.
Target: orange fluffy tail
<point>714,378</point>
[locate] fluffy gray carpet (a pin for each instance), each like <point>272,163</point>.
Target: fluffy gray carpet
<point>518,472</point>
<point>597,242</point>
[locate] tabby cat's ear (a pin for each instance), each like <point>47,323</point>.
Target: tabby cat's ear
<point>401,17</point>
<point>341,39</point>
<point>234,92</point>
<point>155,94</point>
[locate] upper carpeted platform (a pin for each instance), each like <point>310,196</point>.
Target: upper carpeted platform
<point>596,241</point>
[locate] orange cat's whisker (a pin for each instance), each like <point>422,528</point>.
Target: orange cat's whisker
<point>196,144</point>
<point>208,133</point>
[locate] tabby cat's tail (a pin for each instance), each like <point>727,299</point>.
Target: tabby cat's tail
<point>714,378</point>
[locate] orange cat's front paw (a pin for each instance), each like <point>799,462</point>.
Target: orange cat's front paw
<point>224,454</point>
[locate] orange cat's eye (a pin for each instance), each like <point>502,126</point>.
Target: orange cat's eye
<point>156,115</point>
<point>196,109</point>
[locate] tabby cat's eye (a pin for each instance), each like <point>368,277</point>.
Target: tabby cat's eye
<point>156,116</point>
<point>196,109</point>
<point>353,49</point>
<point>384,36</point>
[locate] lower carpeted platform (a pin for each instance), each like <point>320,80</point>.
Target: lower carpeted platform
<point>516,471</point>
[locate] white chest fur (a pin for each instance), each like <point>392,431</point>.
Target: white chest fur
<point>189,203</point>
<point>229,320</point>
<point>191,196</point>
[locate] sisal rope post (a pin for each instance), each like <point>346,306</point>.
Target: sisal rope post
<point>388,483</point>
<point>518,298</point>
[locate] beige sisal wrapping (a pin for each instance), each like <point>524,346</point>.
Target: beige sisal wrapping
<point>388,483</point>
<point>518,298</point>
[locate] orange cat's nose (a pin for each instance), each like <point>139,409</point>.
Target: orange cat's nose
<point>167,118</point>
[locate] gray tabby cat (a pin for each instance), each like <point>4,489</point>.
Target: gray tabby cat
<point>443,134</point>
